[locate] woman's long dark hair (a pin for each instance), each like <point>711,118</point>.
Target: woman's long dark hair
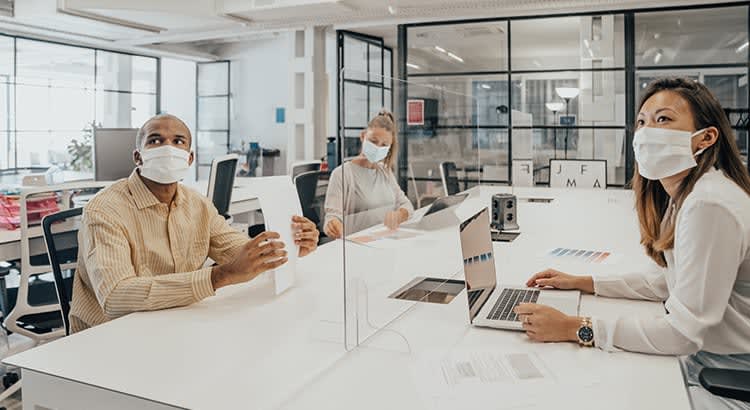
<point>651,198</point>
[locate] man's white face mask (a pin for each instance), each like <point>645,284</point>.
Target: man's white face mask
<point>165,165</point>
<point>663,152</point>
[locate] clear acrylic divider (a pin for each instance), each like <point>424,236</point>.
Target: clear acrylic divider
<point>389,273</point>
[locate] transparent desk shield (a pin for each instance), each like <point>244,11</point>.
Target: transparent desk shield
<point>387,202</point>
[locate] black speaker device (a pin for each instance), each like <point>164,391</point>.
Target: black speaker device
<point>504,212</point>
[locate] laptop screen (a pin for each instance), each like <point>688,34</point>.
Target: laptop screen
<point>479,260</point>
<point>445,203</point>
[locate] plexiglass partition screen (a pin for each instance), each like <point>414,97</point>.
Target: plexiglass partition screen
<point>391,230</point>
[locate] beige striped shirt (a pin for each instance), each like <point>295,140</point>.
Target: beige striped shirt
<point>136,253</point>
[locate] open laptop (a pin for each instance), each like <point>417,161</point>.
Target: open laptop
<point>439,214</point>
<point>491,305</point>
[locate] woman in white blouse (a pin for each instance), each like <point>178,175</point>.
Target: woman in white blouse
<point>364,192</point>
<point>693,203</point>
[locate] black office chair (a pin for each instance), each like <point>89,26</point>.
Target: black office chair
<point>729,383</point>
<point>449,175</point>
<point>307,184</point>
<point>62,249</point>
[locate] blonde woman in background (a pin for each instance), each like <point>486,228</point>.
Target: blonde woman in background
<point>364,192</point>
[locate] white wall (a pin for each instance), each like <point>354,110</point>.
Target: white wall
<point>178,92</point>
<point>260,84</point>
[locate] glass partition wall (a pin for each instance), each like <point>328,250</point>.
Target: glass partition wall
<point>568,91</point>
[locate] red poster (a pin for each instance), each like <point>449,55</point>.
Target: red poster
<point>415,112</point>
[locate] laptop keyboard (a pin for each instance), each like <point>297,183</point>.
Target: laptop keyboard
<point>473,296</point>
<point>509,298</point>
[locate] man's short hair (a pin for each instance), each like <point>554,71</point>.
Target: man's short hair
<point>141,131</point>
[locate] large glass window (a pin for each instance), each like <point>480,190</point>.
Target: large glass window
<point>212,138</point>
<point>366,86</point>
<point>557,87</point>
<point>690,37</point>
<point>458,48</point>
<point>51,95</point>
<point>709,45</point>
<point>582,42</point>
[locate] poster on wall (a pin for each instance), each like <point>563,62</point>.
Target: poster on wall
<point>415,112</point>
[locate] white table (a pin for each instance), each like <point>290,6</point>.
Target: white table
<point>248,349</point>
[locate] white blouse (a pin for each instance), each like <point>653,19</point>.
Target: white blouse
<point>705,287</point>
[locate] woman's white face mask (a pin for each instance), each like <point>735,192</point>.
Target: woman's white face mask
<point>373,153</point>
<point>663,152</point>
<point>165,165</point>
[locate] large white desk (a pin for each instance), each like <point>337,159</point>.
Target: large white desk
<point>245,348</point>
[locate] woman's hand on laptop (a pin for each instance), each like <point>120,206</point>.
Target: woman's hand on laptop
<point>546,324</point>
<point>560,280</point>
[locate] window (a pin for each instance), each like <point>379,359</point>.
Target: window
<point>367,85</point>
<point>51,95</point>
<point>709,45</point>
<point>212,138</point>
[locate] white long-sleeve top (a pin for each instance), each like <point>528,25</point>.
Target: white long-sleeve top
<point>705,287</point>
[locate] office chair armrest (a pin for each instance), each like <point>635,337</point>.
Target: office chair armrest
<point>729,383</point>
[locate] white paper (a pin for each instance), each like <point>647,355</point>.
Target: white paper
<point>490,379</point>
<point>279,202</point>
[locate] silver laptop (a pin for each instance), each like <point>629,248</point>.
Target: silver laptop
<point>491,305</point>
<point>440,214</point>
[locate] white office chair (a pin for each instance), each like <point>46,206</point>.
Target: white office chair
<point>32,244</point>
<point>301,167</point>
<point>33,324</point>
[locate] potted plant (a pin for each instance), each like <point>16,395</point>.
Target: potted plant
<point>80,151</point>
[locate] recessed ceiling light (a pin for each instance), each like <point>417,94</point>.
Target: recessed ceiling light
<point>392,10</point>
<point>440,49</point>
<point>414,66</point>
<point>455,57</point>
<point>486,86</point>
<point>657,57</point>
<point>742,47</point>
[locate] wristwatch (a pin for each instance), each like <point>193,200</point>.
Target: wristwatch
<point>585,332</point>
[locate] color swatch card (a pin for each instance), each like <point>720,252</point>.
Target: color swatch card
<point>580,255</point>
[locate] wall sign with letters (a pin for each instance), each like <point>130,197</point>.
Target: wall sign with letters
<point>572,173</point>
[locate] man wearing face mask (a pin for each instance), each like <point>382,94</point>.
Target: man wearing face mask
<point>364,192</point>
<point>144,240</point>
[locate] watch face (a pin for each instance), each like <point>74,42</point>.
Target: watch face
<point>586,334</point>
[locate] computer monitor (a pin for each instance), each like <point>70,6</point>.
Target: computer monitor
<point>221,182</point>
<point>113,153</point>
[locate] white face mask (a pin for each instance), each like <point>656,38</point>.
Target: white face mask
<point>662,152</point>
<point>373,153</point>
<point>165,165</point>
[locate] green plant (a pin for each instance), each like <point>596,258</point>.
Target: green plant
<point>80,152</point>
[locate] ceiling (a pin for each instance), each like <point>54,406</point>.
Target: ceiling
<point>185,27</point>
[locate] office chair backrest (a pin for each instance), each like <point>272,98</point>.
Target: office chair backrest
<point>300,167</point>
<point>221,182</point>
<point>34,205</point>
<point>449,176</point>
<point>307,184</point>
<point>61,237</point>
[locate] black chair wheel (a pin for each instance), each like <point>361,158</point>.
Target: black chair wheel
<point>10,379</point>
